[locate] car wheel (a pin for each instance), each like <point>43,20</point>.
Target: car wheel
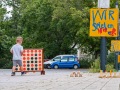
<point>56,67</point>
<point>75,66</point>
<point>48,67</point>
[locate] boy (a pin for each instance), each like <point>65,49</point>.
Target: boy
<point>17,51</point>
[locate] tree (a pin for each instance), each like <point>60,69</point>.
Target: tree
<point>4,39</point>
<point>56,20</point>
<point>58,26</point>
<point>66,22</point>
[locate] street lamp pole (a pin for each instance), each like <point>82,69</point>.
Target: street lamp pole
<point>117,53</point>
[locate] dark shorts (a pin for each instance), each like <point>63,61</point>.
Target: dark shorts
<point>17,62</point>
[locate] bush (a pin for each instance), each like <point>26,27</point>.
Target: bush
<point>95,66</point>
<point>85,63</point>
<point>111,58</point>
<point>110,62</point>
<point>7,65</point>
<point>110,67</point>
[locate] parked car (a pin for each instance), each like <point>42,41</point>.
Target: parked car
<point>66,62</point>
<point>57,58</point>
<point>45,60</point>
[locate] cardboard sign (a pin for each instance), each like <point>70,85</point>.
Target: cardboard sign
<point>115,45</point>
<point>104,22</point>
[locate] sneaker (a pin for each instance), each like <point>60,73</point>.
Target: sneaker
<point>22,73</point>
<point>13,74</point>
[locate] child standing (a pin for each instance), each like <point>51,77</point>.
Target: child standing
<point>17,51</point>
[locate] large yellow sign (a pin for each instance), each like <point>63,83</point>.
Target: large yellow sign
<point>115,45</point>
<point>104,22</point>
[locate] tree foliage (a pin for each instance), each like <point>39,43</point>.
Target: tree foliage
<point>58,26</point>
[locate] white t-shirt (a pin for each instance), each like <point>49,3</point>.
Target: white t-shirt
<point>17,49</point>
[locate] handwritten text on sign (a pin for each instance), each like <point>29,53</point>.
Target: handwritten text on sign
<point>104,22</point>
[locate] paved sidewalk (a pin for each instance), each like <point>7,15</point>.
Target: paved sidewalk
<point>56,80</point>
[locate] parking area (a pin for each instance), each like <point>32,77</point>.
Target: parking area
<point>56,80</point>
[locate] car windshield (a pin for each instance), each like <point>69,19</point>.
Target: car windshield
<point>57,58</point>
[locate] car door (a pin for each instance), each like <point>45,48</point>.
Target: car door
<point>63,62</point>
<point>71,62</point>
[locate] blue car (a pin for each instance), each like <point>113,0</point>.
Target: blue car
<point>66,62</point>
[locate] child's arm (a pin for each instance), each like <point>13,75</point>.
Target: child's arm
<point>11,50</point>
<point>21,51</point>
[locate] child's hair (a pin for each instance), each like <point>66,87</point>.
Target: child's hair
<point>19,38</point>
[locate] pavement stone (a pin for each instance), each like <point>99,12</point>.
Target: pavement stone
<point>56,80</point>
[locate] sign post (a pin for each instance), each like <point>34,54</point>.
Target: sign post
<point>103,48</point>
<point>103,40</point>
<point>103,53</point>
